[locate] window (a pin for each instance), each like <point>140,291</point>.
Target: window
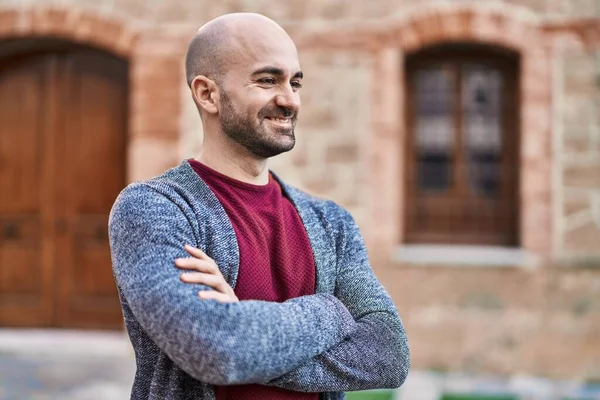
<point>462,147</point>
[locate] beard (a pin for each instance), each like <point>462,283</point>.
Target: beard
<point>260,140</point>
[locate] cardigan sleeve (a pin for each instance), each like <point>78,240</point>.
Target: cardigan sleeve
<point>377,354</point>
<point>217,343</point>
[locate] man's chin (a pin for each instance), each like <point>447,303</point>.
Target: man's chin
<point>275,149</point>
<point>271,152</point>
<point>284,146</point>
<point>284,137</point>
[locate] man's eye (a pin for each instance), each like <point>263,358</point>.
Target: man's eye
<point>296,85</point>
<point>268,81</point>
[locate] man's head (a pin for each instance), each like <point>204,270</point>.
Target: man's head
<point>244,74</point>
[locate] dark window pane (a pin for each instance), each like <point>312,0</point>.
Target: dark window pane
<point>482,127</point>
<point>434,128</point>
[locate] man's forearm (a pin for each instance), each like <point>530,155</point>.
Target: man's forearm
<point>376,355</point>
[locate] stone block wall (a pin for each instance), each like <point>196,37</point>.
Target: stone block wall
<point>580,228</point>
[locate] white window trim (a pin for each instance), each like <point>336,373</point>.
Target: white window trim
<point>465,256</point>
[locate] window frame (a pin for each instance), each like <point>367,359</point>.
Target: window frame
<point>508,63</point>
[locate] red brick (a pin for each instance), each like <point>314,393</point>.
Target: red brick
<point>148,68</point>
<point>482,27</point>
<point>428,30</point>
<point>111,33</point>
<point>25,26</point>
<point>162,126</point>
<point>451,26</point>
<point>150,157</point>
<point>125,44</point>
<point>9,20</point>
<point>466,25</point>
<point>409,38</point>
<point>46,20</point>
<point>84,27</point>
<point>10,16</point>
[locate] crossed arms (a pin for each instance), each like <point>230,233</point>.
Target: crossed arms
<point>351,340</point>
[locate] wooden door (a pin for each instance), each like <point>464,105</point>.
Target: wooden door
<point>62,160</point>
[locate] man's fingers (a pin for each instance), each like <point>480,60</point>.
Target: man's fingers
<point>196,252</point>
<point>195,264</point>
<point>207,273</point>
<point>213,281</point>
<point>220,297</point>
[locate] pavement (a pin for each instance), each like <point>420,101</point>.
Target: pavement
<point>83,365</point>
<point>65,365</point>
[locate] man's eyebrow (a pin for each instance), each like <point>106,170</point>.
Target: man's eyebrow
<point>275,71</point>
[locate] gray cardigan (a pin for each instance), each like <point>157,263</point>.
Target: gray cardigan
<point>347,336</point>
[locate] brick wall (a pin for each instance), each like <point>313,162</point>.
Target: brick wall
<point>543,321</point>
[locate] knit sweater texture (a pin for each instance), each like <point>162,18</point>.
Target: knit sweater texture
<point>347,336</point>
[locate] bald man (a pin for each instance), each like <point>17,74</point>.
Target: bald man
<point>233,284</point>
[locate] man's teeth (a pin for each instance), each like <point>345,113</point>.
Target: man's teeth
<point>280,119</point>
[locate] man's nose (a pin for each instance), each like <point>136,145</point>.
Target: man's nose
<point>289,99</point>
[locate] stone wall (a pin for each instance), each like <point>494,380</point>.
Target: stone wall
<point>500,320</point>
<point>580,151</point>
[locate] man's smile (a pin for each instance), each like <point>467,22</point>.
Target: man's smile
<point>284,122</point>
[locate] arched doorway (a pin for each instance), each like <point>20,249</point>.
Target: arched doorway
<point>63,131</point>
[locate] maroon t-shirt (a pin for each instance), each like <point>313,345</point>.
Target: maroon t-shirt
<point>276,259</point>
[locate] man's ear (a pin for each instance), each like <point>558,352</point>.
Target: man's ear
<point>205,94</point>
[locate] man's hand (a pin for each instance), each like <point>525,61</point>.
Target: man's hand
<point>206,272</point>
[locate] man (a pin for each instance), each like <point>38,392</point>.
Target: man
<point>234,285</point>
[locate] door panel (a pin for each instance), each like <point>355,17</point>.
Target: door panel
<point>25,267</point>
<point>62,164</point>
<point>20,257</point>
<point>89,241</point>
<point>92,155</point>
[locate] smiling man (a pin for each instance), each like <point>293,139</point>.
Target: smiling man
<point>234,285</point>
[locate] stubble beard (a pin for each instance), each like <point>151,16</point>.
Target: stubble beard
<point>257,139</point>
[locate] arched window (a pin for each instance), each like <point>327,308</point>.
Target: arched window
<point>462,109</point>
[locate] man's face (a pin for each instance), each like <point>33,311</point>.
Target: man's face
<point>260,97</point>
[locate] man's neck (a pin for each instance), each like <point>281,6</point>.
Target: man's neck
<point>235,162</point>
